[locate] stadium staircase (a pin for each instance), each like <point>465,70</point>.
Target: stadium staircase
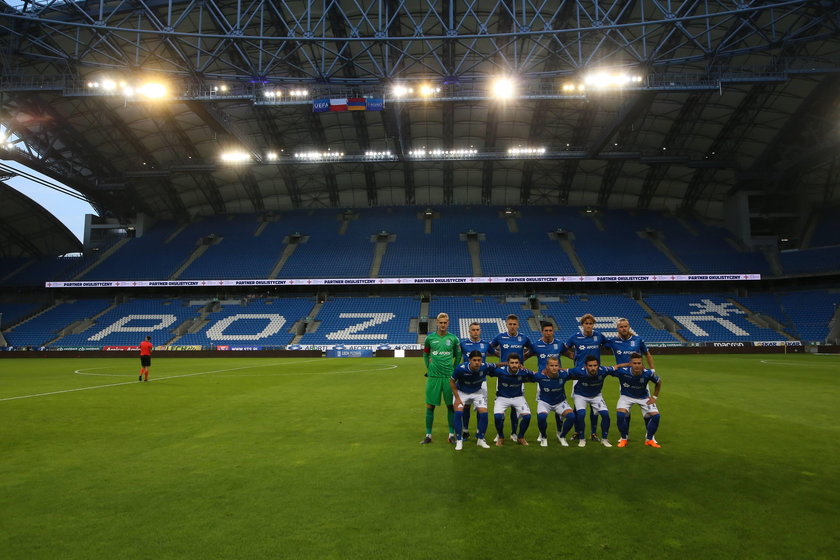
<point>834,327</point>
<point>569,249</point>
<point>475,254</point>
<point>291,245</point>
<point>33,316</point>
<point>102,258</point>
<point>308,324</point>
<point>761,320</point>
<point>659,243</point>
<point>661,322</point>
<point>423,317</point>
<point>17,270</point>
<point>200,250</point>
<point>381,246</point>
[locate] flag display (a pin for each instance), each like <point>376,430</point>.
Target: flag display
<point>325,104</point>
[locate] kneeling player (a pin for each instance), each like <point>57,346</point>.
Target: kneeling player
<point>469,388</point>
<point>551,397</point>
<point>633,381</point>
<point>587,391</point>
<point>509,394</point>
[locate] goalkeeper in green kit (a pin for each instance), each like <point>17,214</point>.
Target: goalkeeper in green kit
<point>441,353</point>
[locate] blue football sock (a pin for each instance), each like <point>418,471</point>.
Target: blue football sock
<point>542,423</point>
<point>458,423</point>
<point>499,419</point>
<point>652,426</point>
<point>524,421</point>
<point>514,421</point>
<point>593,420</point>
<point>482,425</point>
<point>621,420</point>
<point>580,421</point>
<point>465,424</point>
<point>568,424</point>
<point>605,423</point>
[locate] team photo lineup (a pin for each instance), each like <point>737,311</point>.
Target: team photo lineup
<point>457,372</point>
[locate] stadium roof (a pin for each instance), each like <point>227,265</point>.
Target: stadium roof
<point>29,230</point>
<point>722,97</point>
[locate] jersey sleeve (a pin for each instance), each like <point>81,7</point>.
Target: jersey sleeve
<point>456,350</point>
<point>642,347</point>
<point>426,350</point>
<point>653,377</point>
<point>575,373</point>
<point>569,344</point>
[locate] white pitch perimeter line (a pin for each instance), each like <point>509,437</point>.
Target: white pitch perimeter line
<point>135,382</point>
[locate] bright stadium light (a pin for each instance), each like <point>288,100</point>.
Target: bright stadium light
<point>109,85</point>
<point>427,90</point>
<point>314,156</point>
<point>458,153</point>
<point>401,91</point>
<point>152,90</point>
<point>519,151</point>
<point>503,88</point>
<point>610,80</point>
<point>371,154</point>
<point>271,156</point>
<point>235,156</point>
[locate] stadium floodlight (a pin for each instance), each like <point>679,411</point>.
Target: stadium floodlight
<point>235,156</point>
<point>152,90</point>
<point>271,156</point>
<point>519,151</point>
<point>314,156</point>
<point>378,154</point>
<point>603,79</point>
<point>503,88</point>
<point>401,90</point>
<point>458,153</point>
<point>427,90</point>
<point>109,85</point>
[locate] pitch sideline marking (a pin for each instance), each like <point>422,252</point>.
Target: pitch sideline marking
<point>393,366</point>
<point>134,382</point>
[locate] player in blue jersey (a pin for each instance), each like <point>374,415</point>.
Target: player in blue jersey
<point>509,394</point>
<point>625,344</point>
<point>633,381</point>
<point>468,383</point>
<point>545,348</point>
<point>552,398</point>
<point>468,345</point>
<point>507,343</point>
<point>587,391</point>
<point>580,345</point>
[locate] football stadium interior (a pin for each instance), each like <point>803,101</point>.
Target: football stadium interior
<point>281,177</point>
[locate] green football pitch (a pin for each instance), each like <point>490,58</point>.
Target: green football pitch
<point>319,458</point>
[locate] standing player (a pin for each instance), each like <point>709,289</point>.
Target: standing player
<point>581,345</point>
<point>625,344</point>
<point>634,380</point>
<point>509,394</point>
<point>469,386</point>
<point>468,345</point>
<point>552,398</point>
<point>545,348</point>
<point>587,391</point>
<point>507,343</point>
<point>145,358</point>
<point>441,351</point>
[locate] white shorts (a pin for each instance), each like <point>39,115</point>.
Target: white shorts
<point>626,402</point>
<point>477,399</point>
<point>544,408</point>
<point>518,403</point>
<point>598,403</point>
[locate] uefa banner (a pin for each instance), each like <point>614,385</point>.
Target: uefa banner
<point>404,281</point>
